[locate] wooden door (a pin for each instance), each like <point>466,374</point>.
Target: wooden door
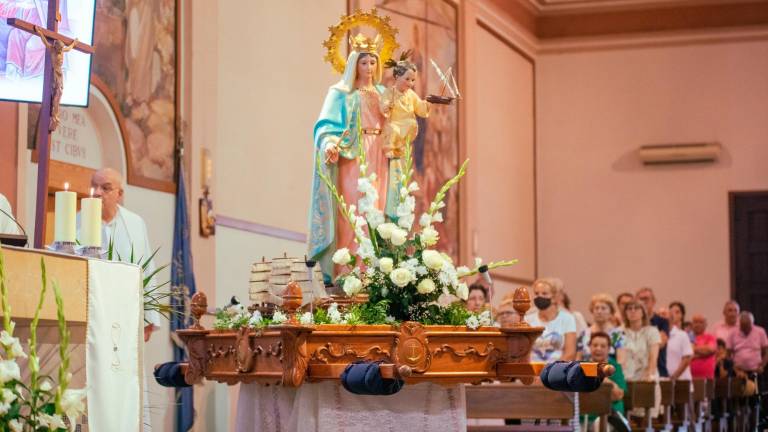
<point>749,252</point>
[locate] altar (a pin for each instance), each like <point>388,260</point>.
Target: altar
<point>102,304</point>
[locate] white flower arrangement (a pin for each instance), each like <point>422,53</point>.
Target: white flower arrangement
<point>38,404</point>
<point>395,261</point>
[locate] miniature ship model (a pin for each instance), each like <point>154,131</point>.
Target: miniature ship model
<point>449,83</point>
<point>269,280</point>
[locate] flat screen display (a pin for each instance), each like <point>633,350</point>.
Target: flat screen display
<point>22,54</point>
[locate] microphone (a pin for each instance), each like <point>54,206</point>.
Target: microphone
<point>19,240</point>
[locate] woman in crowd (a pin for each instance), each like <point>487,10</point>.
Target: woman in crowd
<point>679,348</point>
<point>621,302</point>
<point>558,342</point>
<point>676,314</point>
<point>603,310</point>
<point>600,345</point>
<point>565,304</point>
<point>477,298</point>
<point>641,344</point>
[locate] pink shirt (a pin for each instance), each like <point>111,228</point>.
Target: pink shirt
<point>723,331</point>
<point>747,348</point>
<point>704,367</point>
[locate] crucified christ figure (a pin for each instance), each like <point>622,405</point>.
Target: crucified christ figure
<point>58,48</point>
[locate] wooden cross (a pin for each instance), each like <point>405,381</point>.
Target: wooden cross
<point>53,83</point>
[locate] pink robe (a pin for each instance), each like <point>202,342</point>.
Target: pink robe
<point>349,172</point>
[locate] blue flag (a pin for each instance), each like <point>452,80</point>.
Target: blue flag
<point>183,287</point>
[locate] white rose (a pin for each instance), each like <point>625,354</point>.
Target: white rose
<point>462,291</point>
<point>399,236</point>
<point>386,264</point>
<point>385,230</point>
<point>9,370</point>
<point>307,318</point>
<point>432,259</point>
<point>472,322</point>
<point>342,256</point>
<point>401,277</point>
<point>429,236</point>
<point>352,285</point>
<point>279,318</point>
<point>426,286</point>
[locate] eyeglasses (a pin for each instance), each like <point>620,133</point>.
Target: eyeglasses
<point>106,187</point>
<point>633,307</point>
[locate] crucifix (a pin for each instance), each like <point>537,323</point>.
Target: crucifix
<point>53,84</point>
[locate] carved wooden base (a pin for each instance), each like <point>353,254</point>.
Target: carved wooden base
<point>292,354</point>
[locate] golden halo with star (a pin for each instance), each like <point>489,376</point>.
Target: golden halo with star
<point>360,19</point>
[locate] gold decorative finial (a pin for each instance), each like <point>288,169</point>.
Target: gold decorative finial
<point>384,43</point>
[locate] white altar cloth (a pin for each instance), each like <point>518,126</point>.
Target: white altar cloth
<point>327,406</point>
<point>114,358</point>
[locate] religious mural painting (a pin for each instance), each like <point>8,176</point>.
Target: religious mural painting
<point>136,46</point>
<point>429,28</point>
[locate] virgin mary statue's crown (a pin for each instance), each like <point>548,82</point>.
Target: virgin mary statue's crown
<point>363,44</point>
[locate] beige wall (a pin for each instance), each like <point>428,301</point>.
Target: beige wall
<point>606,223</point>
<point>271,82</point>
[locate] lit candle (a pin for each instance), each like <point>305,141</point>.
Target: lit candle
<point>90,221</point>
<point>66,209</point>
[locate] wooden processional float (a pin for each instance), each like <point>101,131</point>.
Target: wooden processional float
<point>290,354</point>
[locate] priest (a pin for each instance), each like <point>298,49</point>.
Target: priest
<point>7,224</point>
<point>125,229</point>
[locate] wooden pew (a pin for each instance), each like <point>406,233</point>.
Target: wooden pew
<point>722,394</point>
<point>518,401</point>
<point>667,401</point>
<point>700,416</point>
<point>597,403</point>
<point>641,394</point>
<point>683,403</point>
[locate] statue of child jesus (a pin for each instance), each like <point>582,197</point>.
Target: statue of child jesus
<point>400,106</point>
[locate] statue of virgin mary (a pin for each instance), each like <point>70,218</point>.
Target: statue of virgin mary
<point>337,141</point>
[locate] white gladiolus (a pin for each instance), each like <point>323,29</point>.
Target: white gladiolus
<point>413,187</point>
<point>16,425</point>
<point>44,386</point>
<point>429,236</point>
<point>425,220</point>
<point>386,264</point>
<point>462,291</point>
<point>72,403</point>
<point>426,286</point>
<point>342,257</point>
<point>399,236</point>
<point>406,221</point>
<point>401,277</point>
<point>385,230</point>
<point>432,259</point>
<point>9,370</point>
<point>437,217</point>
<point>352,285</point>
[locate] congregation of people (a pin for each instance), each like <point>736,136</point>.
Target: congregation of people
<point>644,342</point>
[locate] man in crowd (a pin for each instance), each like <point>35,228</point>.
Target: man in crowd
<point>645,295</point>
<point>730,322</point>
<point>704,349</point>
<point>748,346</point>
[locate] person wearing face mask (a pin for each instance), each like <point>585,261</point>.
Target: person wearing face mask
<point>603,310</point>
<point>558,341</point>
